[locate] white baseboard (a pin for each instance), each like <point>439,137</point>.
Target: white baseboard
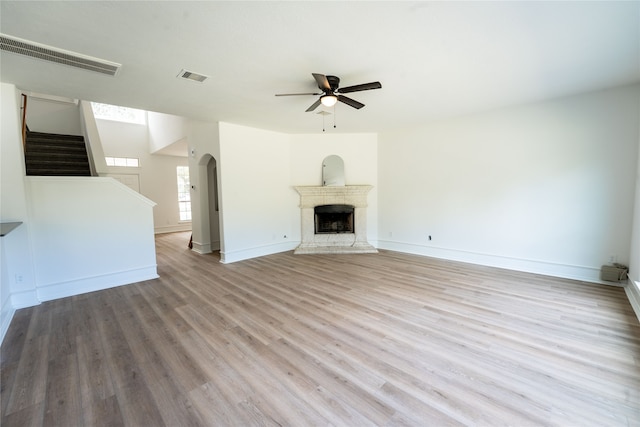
<point>172,228</point>
<point>582,273</point>
<point>16,301</point>
<point>24,299</point>
<point>96,283</point>
<point>205,248</point>
<point>228,257</point>
<point>6,315</point>
<point>633,294</point>
<point>201,248</point>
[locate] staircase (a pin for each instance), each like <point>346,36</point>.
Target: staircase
<point>48,154</point>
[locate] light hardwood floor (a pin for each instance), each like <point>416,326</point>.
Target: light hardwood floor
<point>344,340</point>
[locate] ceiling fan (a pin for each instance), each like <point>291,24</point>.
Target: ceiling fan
<point>331,93</point>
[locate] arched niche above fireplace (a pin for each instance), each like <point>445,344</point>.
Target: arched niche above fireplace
<point>333,171</point>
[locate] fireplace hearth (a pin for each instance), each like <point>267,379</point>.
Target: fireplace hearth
<point>334,219</point>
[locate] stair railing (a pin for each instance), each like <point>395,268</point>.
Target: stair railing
<point>24,122</point>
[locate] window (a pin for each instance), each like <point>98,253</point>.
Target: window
<point>184,196</point>
<point>126,162</point>
<point>119,114</point>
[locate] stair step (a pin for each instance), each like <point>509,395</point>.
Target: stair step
<point>56,142</point>
<point>51,144</point>
<point>70,164</point>
<point>58,172</point>
<point>58,136</point>
<point>56,155</point>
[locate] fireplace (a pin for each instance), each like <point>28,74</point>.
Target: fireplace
<point>333,219</point>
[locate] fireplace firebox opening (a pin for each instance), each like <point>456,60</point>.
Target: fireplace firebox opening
<point>333,219</point>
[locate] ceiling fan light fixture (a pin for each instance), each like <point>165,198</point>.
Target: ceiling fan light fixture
<point>329,100</point>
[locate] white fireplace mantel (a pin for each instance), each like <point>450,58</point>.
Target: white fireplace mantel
<point>339,243</point>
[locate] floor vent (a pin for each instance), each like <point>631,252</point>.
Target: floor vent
<point>189,75</point>
<point>59,56</point>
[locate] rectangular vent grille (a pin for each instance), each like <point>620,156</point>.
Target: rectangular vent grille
<point>59,56</point>
<point>189,75</point>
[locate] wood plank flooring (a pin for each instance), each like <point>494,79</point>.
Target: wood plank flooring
<point>383,339</point>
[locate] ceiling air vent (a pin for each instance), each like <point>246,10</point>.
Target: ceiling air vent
<point>59,56</point>
<point>189,75</point>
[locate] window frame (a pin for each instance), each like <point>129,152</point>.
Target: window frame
<point>184,194</point>
<point>112,161</point>
<point>118,113</point>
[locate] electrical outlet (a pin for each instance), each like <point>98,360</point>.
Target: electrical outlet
<point>19,278</point>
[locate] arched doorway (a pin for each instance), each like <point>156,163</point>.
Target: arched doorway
<point>207,234</point>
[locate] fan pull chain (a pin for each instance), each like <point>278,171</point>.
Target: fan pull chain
<point>334,116</point>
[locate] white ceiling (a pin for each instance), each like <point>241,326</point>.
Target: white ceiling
<point>434,59</point>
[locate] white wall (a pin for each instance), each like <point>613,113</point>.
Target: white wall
<point>633,287</point>
<point>256,206</point>
<point>547,188</point>
<point>164,130</point>
<point>17,286</point>
<point>359,151</point>
<point>88,234</point>
<point>53,116</point>
<point>634,264</point>
<point>92,137</point>
<point>157,173</point>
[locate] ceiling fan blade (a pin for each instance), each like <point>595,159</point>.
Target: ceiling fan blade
<point>351,102</point>
<point>358,88</point>
<point>313,106</point>
<point>322,81</point>
<point>295,94</point>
